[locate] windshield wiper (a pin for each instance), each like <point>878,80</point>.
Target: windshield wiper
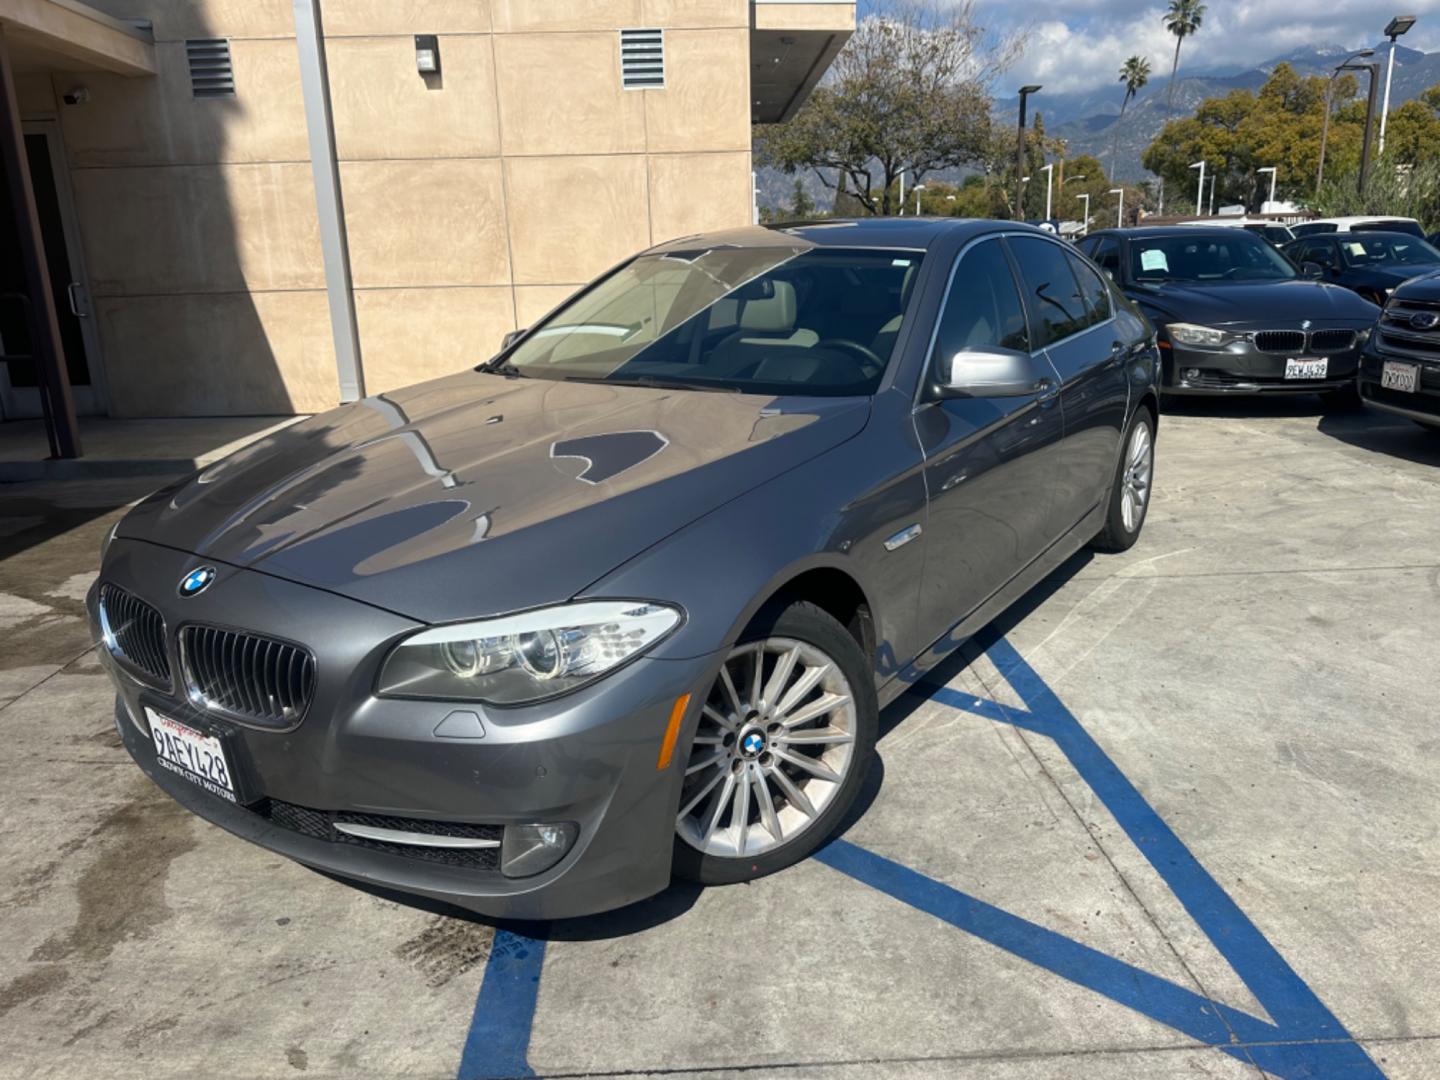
<point>509,370</point>
<point>653,382</point>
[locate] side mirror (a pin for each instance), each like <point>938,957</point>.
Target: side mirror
<point>1313,271</point>
<point>989,373</point>
<point>510,338</point>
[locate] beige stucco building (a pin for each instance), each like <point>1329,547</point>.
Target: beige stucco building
<point>200,274</point>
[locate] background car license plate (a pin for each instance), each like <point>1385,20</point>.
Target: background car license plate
<point>1306,367</point>
<point>192,754</point>
<point>1403,377</point>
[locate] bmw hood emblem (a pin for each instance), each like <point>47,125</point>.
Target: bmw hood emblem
<point>197,581</point>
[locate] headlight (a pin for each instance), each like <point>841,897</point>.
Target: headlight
<point>1190,334</point>
<point>521,658</point>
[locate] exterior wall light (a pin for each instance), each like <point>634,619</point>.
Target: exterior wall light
<point>427,54</point>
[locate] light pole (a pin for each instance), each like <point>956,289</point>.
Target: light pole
<point>1325,127</point>
<point>917,189</point>
<point>1070,180</point>
<point>1271,170</point>
<point>1213,178</point>
<point>1119,206</point>
<point>1200,190</point>
<point>901,200</point>
<point>1020,178</point>
<point>1374,70</point>
<point>1393,29</point>
<point>1085,224</point>
<point>1049,187</point>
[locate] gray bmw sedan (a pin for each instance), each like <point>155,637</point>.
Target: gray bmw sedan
<point>624,601</point>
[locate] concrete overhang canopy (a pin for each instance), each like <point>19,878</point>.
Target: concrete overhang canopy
<point>792,44</point>
<point>66,35</point>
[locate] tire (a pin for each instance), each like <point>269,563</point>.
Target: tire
<point>740,738</point>
<point>1345,400</point>
<point>1134,478</point>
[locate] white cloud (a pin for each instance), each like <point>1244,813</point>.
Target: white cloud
<point>1080,44</point>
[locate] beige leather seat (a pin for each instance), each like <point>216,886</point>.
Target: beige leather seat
<point>884,341</point>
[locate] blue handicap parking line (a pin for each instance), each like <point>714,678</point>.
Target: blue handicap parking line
<point>1302,1040</point>
<point>498,1043</point>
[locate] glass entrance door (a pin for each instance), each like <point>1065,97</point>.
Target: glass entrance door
<point>19,395</point>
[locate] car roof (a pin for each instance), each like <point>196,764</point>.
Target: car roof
<point>1155,232</point>
<point>1353,219</point>
<point>911,233</point>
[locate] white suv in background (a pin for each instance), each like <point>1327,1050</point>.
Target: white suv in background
<point>1359,224</point>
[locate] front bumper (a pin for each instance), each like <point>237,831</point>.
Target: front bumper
<point>1241,368</point>
<point>589,758</point>
<point>1422,406</point>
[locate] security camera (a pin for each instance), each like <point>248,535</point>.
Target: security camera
<point>78,96</point>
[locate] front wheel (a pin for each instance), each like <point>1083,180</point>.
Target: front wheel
<point>1130,493</point>
<point>785,738</point>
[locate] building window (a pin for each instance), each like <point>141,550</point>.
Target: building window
<point>642,59</point>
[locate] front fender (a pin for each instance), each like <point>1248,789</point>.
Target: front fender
<point>834,512</point>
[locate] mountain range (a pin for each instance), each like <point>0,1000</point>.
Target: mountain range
<point>1086,120</point>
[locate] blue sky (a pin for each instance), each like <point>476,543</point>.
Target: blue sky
<point>1078,45</point>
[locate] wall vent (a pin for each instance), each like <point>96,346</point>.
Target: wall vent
<point>210,72</point>
<point>642,59</point>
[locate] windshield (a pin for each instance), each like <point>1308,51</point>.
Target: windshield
<point>757,320</point>
<point>1235,256</point>
<point>1387,249</point>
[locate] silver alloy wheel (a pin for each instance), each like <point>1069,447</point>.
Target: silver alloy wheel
<point>1135,481</point>
<point>775,742</point>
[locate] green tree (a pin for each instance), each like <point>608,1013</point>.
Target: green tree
<point>801,205</point>
<point>1134,73</point>
<point>1237,133</point>
<point>909,93</point>
<point>1182,18</point>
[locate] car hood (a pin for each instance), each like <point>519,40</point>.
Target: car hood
<point>1386,277</point>
<point>478,494</point>
<point>1270,303</point>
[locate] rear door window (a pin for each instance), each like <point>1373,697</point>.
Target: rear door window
<point>1052,295</point>
<point>1092,290</point>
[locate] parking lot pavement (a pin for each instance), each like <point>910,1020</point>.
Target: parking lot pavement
<point>1174,816</point>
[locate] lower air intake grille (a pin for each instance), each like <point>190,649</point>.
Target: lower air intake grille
<point>251,678</point>
<point>134,634</point>
<point>1286,341</point>
<point>320,825</point>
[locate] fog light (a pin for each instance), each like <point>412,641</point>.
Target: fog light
<point>1192,373</point>
<point>532,849</point>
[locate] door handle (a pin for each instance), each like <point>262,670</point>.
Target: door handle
<point>72,291</point>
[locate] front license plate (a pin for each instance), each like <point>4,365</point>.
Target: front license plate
<point>1306,367</point>
<point>192,754</point>
<point>1402,377</point>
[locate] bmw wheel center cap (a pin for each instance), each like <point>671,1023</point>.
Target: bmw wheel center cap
<point>197,581</point>
<point>752,743</point>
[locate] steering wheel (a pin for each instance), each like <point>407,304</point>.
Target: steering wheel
<point>868,359</point>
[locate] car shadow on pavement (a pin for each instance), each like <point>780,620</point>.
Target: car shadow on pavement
<point>1247,406</point>
<point>1383,434</point>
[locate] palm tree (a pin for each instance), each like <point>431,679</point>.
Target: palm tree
<point>1182,19</point>
<point>1134,73</point>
